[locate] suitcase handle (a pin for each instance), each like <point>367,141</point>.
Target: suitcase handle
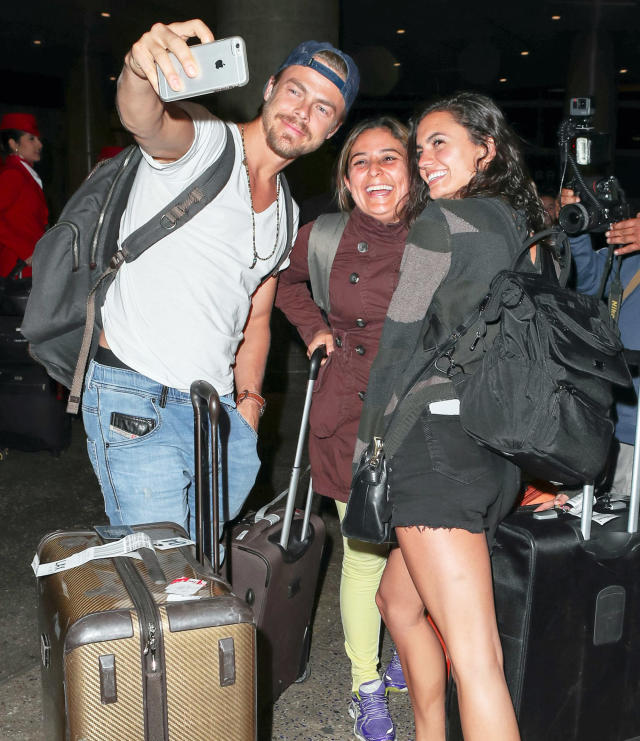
<point>316,361</point>
<point>204,395</point>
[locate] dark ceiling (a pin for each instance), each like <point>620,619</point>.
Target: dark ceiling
<point>446,45</point>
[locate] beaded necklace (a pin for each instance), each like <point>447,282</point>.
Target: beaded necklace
<point>256,256</point>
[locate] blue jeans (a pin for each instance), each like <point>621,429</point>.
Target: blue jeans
<point>142,452</point>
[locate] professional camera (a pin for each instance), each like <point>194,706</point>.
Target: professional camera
<point>602,199</point>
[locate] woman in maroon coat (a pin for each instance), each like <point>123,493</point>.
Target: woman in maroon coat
<point>372,183</point>
<point>23,209</point>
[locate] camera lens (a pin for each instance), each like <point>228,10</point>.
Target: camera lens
<point>574,218</point>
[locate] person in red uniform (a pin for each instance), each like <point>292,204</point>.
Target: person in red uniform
<point>23,209</point>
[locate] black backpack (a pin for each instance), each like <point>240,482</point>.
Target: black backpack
<point>542,395</point>
<point>75,262</point>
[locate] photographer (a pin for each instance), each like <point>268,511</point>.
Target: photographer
<point>590,265</point>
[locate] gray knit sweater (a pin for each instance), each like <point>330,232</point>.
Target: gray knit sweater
<point>453,250</point>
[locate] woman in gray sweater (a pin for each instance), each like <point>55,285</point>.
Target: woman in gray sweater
<point>448,493</point>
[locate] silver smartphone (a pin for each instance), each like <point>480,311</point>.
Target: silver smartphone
<point>222,64</point>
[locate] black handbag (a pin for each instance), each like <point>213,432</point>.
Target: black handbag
<point>542,395</point>
<point>368,512</point>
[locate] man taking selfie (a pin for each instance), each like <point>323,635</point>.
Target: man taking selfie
<point>197,304</point>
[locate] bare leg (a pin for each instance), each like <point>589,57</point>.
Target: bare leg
<point>451,572</point>
<point>419,648</point>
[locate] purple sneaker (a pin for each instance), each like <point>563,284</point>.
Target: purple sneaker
<point>370,710</point>
<point>393,676</point>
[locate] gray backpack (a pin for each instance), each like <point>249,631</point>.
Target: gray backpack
<point>76,261</point>
<point>324,239</point>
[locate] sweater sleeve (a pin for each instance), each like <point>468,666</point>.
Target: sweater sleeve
<point>589,264</point>
<point>294,297</point>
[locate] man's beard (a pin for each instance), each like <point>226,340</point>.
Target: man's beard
<point>279,142</point>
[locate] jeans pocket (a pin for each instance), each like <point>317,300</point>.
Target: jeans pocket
<point>126,417</point>
<point>453,453</point>
<point>243,421</point>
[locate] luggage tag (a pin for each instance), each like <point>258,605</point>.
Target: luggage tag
<point>184,588</point>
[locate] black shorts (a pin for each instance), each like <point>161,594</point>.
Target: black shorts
<point>442,478</point>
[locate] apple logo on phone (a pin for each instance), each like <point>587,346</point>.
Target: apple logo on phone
<point>219,64</point>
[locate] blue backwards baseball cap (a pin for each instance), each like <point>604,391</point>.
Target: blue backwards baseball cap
<point>303,55</point>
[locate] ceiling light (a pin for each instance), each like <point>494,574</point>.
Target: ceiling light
<point>397,64</point>
<point>555,17</point>
<point>105,14</point>
<point>502,79</point>
<point>37,42</point>
<point>401,30</point>
<point>623,71</point>
<point>524,53</point>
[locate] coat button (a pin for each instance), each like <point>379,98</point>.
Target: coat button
<point>360,350</point>
<point>363,247</point>
<point>361,395</point>
<point>360,323</point>
<point>354,278</point>
<point>338,342</point>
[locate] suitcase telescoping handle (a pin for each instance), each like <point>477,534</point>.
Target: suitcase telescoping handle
<point>317,357</point>
<point>634,501</point>
<point>204,396</point>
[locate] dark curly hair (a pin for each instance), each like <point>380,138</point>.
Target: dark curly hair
<point>505,176</point>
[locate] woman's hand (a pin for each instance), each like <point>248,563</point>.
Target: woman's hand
<point>323,337</point>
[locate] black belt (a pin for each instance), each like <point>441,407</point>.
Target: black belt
<point>104,356</point>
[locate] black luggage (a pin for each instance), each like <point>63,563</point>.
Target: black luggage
<point>122,659</point>
<point>32,410</point>
<point>568,610</point>
<point>14,348</point>
<point>274,565</point>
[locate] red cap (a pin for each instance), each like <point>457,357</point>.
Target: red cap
<point>20,122</point>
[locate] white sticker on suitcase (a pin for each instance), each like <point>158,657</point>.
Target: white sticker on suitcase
<point>185,587</point>
<point>123,547</point>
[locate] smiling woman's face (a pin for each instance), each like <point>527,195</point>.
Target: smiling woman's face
<point>377,174</point>
<point>447,157</point>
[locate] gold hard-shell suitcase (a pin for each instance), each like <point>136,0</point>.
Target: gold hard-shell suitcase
<point>120,662</point>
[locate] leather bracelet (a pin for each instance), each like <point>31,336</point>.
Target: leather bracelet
<point>252,396</point>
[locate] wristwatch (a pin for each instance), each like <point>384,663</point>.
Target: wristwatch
<point>252,396</point>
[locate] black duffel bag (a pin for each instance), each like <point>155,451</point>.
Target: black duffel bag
<point>542,395</point>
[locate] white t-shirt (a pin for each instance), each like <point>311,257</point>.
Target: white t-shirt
<point>176,314</point>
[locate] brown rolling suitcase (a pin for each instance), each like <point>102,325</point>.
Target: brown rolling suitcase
<point>274,565</point>
<point>122,661</point>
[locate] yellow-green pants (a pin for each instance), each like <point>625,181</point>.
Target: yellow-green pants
<point>362,567</point>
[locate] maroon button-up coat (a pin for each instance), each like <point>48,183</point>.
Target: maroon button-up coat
<point>362,281</point>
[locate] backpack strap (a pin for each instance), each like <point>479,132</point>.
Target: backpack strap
<point>288,208</point>
<point>184,207</point>
<point>176,214</point>
<point>324,240</point>
<point>631,286</point>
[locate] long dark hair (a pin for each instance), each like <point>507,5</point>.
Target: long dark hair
<point>505,176</point>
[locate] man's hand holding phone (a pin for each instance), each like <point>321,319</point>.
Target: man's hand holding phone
<point>154,46</point>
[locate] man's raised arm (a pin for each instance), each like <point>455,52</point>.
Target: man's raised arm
<point>163,130</point>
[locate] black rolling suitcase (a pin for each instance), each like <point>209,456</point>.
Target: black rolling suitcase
<point>154,648</point>
<point>568,609</point>
<point>274,565</point>
<point>32,410</point>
